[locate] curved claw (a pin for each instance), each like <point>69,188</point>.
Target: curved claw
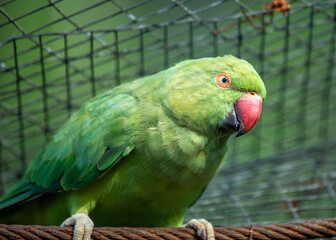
<point>83,226</point>
<point>203,228</point>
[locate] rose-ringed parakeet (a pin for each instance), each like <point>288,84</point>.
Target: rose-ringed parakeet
<point>142,153</point>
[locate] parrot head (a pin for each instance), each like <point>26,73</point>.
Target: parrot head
<point>222,95</point>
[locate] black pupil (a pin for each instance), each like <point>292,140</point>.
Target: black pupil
<point>224,80</point>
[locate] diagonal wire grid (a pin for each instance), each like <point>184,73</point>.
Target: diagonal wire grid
<point>57,54</point>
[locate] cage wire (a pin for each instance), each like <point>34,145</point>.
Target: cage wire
<point>57,54</point>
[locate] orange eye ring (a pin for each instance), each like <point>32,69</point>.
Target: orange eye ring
<point>223,80</point>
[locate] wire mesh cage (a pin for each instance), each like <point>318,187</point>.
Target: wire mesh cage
<point>57,54</point>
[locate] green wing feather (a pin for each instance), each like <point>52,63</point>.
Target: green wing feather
<point>88,144</point>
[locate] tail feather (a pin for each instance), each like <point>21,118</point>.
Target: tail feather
<point>23,192</point>
<point>20,192</point>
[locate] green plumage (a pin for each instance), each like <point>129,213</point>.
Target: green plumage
<point>137,155</point>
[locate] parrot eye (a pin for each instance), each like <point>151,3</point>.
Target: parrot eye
<point>223,80</point>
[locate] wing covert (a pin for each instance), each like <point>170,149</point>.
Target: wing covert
<point>88,144</point>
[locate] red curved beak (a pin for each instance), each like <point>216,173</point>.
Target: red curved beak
<point>248,109</point>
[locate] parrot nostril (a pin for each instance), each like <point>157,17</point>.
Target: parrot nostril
<point>252,93</point>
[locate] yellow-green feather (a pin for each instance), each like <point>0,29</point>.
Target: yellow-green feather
<point>139,154</point>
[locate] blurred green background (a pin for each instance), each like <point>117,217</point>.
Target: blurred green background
<point>56,54</point>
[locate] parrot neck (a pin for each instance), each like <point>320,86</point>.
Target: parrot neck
<point>178,152</point>
<point>173,147</point>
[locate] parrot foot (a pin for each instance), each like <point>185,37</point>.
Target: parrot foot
<point>203,228</point>
<point>83,226</point>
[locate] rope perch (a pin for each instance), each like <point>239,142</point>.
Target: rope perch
<point>309,229</point>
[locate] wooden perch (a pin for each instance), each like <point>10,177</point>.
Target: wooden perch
<point>309,229</point>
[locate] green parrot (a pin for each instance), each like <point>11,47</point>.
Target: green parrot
<point>141,153</point>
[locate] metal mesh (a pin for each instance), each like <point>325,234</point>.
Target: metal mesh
<point>56,54</point>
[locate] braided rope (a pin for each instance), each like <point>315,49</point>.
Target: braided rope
<point>310,229</point>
